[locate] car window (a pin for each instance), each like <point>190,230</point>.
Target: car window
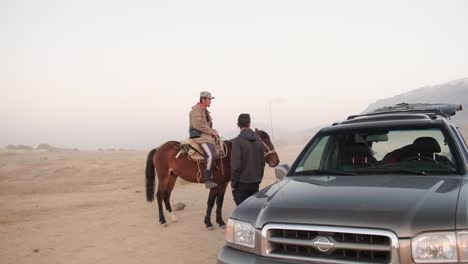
<point>314,156</point>
<point>418,150</point>
<point>398,139</point>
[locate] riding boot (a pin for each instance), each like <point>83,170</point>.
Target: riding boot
<point>209,183</point>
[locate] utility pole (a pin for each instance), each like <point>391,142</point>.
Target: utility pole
<point>271,123</point>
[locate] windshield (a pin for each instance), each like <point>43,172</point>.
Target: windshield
<point>416,151</point>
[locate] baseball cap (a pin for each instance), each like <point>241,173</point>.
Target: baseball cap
<point>206,94</point>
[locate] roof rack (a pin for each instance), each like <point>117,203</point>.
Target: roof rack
<point>445,110</point>
<point>390,117</point>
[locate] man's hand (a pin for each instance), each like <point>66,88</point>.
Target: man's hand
<point>214,133</point>
<point>233,185</point>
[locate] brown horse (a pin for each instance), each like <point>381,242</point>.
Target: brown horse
<point>168,168</point>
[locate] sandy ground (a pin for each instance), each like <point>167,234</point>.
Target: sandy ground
<point>90,207</point>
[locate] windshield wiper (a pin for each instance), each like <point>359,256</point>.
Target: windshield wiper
<point>314,172</point>
<point>393,169</point>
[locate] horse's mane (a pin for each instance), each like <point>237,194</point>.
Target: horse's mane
<point>262,133</point>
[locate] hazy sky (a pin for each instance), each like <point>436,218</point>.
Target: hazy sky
<point>107,73</point>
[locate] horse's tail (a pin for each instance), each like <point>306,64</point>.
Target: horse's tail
<point>150,177</point>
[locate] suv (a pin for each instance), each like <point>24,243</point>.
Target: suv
<point>387,186</point>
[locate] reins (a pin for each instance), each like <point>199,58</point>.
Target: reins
<point>223,153</point>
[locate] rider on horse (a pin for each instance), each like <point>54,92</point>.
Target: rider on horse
<point>202,132</point>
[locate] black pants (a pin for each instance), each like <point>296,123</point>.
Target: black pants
<point>242,191</point>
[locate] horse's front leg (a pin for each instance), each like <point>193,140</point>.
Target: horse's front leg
<point>210,203</point>
<point>219,206</point>
<point>219,210</point>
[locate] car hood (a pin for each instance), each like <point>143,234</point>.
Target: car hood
<point>405,204</point>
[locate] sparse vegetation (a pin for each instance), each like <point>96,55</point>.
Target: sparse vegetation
<point>114,149</point>
<point>124,149</point>
<point>47,147</point>
<point>40,147</point>
<point>19,147</point>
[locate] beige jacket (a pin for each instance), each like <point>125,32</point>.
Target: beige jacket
<point>201,120</point>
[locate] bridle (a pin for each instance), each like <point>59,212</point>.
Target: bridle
<point>268,150</point>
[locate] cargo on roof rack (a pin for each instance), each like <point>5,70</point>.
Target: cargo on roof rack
<point>445,110</point>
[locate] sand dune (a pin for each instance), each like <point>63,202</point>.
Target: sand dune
<point>90,207</point>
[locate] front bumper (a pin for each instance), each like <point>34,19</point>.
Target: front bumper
<point>230,255</point>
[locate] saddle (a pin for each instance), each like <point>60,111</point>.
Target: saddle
<point>194,152</point>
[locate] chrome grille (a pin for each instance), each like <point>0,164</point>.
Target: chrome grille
<point>329,244</point>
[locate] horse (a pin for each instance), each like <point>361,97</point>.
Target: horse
<point>169,167</point>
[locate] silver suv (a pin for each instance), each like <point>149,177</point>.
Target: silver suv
<point>384,187</point>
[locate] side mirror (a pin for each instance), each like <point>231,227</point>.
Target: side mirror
<point>281,171</point>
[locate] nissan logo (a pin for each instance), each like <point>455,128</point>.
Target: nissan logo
<point>324,244</point>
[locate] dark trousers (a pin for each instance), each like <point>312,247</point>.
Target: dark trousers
<point>242,191</point>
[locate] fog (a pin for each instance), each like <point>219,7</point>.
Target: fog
<point>124,74</point>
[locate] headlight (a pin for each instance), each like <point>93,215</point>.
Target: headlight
<point>463,246</point>
<point>240,233</point>
<point>435,248</point>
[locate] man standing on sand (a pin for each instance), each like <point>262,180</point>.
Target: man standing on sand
<point>202,132</point>
<point>247,161</point>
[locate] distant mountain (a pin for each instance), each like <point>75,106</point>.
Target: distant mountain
<point>454,92</point>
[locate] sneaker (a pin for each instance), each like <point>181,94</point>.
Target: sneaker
<point>210,184</point>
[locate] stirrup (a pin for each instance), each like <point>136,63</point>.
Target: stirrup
<point>210,184</point>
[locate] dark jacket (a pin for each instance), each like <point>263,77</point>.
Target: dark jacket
<point>247,158</point>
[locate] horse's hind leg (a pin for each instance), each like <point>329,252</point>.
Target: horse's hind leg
<point>210,203</point>
<point>159,197</point>
<point>167,196</point>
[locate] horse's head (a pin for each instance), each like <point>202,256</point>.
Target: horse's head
<point>271,157</point>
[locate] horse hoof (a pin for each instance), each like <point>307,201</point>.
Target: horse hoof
<point>210,228</point>
<point>164,224</point>
<point>173,218</point>
<point>222,226</point>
